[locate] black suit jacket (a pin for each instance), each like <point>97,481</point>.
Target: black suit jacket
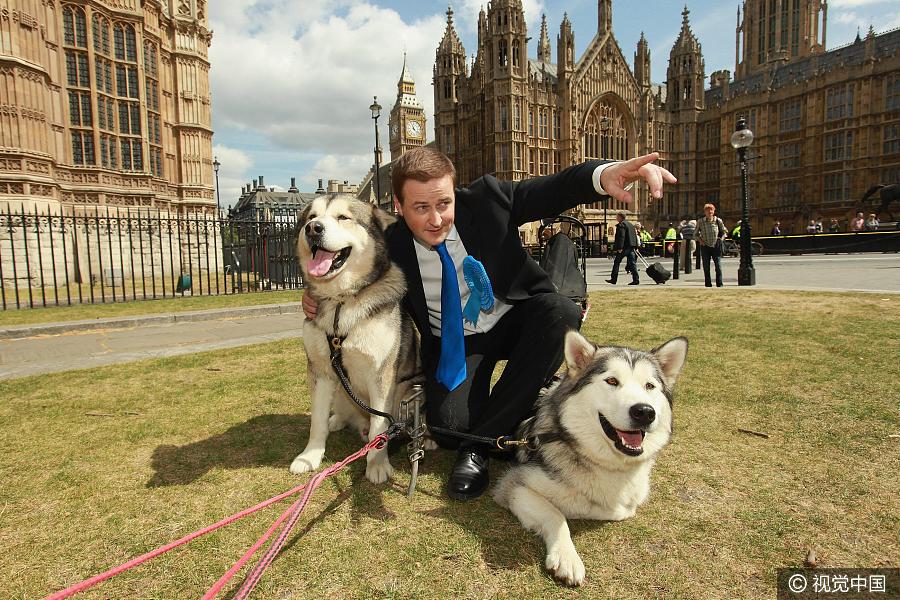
<point>626,236</point>
<point>488,215</point>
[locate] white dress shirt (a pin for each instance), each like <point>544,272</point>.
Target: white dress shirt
<point>430,269</point>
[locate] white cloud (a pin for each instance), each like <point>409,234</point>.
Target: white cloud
<point>852,3</point>
<point>336,164</point>
<point>233,173</point>
<point>301,75</point>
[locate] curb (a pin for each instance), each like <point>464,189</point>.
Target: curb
<point>24,331</point>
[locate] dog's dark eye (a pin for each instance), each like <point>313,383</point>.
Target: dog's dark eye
<point>343,218</point>
<point>612,381</point>
<point>649,386</point>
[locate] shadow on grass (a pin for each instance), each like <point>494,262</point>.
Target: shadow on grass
<point>266,440</point>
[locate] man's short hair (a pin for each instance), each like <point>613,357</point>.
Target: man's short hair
<point>620,214</point>
<point>708,205</point>
<point>420,164</point>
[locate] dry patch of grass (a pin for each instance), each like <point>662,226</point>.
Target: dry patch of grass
<point>214,433</point>
<point>77,312</point>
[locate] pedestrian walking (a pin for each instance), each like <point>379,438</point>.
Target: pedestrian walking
<point>624,246</point>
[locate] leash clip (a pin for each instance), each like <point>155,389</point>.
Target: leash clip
<point>503,441</point>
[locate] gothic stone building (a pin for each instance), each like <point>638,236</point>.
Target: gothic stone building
<point>104,111</point>
<point>516,117</point>
<point>827,124</point>
<point>105,103</point>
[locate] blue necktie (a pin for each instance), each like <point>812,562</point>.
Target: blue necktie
<point>451,369</point>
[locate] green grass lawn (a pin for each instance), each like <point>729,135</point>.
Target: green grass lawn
<point>77,312</point>
<point>192,439</point>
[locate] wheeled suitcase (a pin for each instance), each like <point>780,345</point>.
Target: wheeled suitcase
<point>656,271</point>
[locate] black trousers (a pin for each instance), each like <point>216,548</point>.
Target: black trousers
<point>630,265</point>
<point>530,338</point>
<point>707,252</point>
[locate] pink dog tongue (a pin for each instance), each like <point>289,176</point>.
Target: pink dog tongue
<point>632,438</point>
<point>320,263</point>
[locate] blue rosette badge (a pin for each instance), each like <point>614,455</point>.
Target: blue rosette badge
<point>482,293</point>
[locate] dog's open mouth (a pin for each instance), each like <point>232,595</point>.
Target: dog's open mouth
<point>324,262</point>
<point>626,442</point>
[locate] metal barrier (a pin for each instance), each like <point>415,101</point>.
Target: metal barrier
<point>96,256</point>
<point>819,243</point>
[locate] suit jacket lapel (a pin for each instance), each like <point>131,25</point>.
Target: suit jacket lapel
<point>468,230</point>
<point>400,244</point>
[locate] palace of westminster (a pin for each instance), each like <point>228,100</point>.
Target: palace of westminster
<point>107,103</point>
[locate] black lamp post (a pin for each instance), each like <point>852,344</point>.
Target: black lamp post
<point>740,140</point>
<point>216,165</point>
<point>376,112</point>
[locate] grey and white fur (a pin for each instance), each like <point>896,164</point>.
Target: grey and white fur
<point>597,436</point>
<point>344,259</point>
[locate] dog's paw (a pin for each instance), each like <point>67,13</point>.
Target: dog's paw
<point>565,565</point>
<point>430,444</point>
<point>336,423</point>
<point>308,461</point>
<point>379,471</point>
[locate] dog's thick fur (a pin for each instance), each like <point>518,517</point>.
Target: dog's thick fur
<point>598,434</point>
<point>380,350</point>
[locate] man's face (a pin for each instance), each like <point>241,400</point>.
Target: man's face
<point>428,207</point>
<point>619,218</point>
<point>710,211</point>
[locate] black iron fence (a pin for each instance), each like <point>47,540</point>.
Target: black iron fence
<point>97,255</point>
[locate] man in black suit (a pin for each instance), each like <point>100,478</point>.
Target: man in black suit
<point>625,244</point>
<point>441,225</point>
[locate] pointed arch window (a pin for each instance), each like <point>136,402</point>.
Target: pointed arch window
<point>502,53</point>
<point>605,136</point>
<point>516,54</point>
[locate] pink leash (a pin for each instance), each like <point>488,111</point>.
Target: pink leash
<point>257,571</point>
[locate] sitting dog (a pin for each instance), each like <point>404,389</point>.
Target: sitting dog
<point>594,440</point>
<point>344,260</point>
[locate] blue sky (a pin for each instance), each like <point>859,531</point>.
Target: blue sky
<point>292,80</point>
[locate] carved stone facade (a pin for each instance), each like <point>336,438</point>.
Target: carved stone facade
<point>514,117</point>
<point>105,102</point>
<point>827,124</point>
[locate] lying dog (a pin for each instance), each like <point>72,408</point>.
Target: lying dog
<point>597,436</point>
<point>343,256</point>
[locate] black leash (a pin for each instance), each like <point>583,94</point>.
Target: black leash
<point>504,442</point>
<point>338,365</point>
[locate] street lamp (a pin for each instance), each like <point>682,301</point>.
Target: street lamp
<point>216,165</point>
<point>740,140</point>
<point>376,112</point>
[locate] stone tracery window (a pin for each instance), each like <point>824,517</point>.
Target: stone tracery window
<point>605,135</point>
<point>78,80</point>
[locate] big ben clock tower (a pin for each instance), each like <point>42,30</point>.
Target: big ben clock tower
<point>407,122</point>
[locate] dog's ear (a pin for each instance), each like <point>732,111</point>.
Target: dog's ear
<point>579,351</point>
<point>671,356</point>
<point>383,218</point>
<point>303,217</point>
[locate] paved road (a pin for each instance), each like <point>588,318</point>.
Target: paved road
<point>87,349</point>
<point>845,272</point>
<point>78,350</point>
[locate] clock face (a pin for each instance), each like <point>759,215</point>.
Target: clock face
<point>413,128</point>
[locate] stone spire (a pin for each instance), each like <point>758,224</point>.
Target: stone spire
<point>685,74</point>
<point>543,53</point>
<point>406,88</point>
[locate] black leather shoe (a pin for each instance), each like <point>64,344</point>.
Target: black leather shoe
<point>635,283</point>
<point>611,281</point>
<point>469,478</point>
